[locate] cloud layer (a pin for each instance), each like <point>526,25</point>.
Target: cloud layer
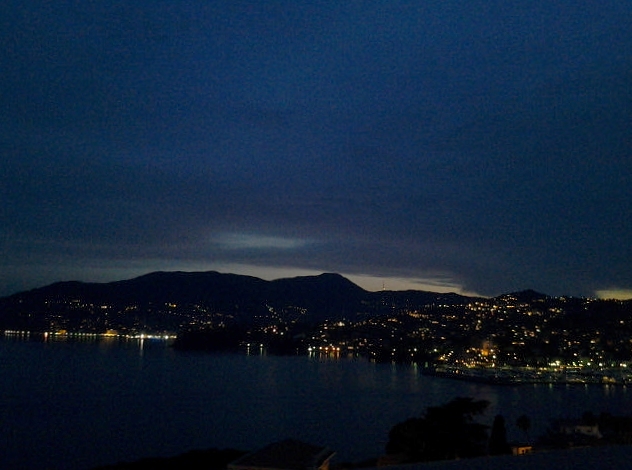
<point>483,147</point>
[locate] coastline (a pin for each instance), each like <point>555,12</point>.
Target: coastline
<point>531,375</point>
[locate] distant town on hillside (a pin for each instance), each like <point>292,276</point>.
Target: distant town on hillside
<point>517,337</point>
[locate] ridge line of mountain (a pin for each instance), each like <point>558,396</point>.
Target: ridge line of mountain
<point>157,276</point>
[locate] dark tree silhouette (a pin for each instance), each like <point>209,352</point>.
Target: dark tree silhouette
<point>524,424</point>
<point>498,437</point>
<point>444,432</point>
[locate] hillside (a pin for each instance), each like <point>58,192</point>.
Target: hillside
<point>173,300</point>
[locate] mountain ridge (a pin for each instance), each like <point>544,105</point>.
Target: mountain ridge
<point>170,276</point>
<point>216,311</point>
<point>202,294</point>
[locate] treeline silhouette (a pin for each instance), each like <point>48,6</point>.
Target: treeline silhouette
<point>445,432</point>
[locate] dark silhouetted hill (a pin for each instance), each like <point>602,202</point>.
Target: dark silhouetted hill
<point>524,296</point>
<point>243,299</point>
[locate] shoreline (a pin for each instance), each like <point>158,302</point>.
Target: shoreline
<point>531,375</point>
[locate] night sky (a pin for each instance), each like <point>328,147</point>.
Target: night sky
<point>475,146</point>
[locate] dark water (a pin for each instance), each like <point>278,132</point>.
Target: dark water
<point>75,405</point>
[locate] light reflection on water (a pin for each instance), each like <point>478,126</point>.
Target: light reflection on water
<point>77,404</point>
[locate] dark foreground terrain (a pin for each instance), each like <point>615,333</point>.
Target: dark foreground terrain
<point>210,459</point>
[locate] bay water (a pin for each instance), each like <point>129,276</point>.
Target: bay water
<point>78,404</point>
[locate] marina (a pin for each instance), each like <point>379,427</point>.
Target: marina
<point>533,375</point>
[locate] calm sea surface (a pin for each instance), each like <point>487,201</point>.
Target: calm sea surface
<point>76,405</point>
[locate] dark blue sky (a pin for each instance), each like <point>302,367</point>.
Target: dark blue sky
<point>480,147</point>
